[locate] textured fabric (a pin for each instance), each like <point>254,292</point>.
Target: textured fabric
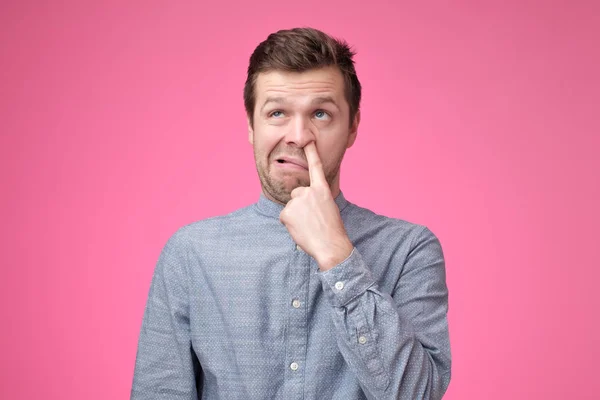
<point>237,311</point>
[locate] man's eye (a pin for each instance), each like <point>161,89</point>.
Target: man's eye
<point>277,114</point>
<point>321,114</point>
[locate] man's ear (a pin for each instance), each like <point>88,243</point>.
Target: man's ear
<point>354,129</point>
<point>250,131</point>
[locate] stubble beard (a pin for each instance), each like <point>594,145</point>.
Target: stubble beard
<point>281,189</point>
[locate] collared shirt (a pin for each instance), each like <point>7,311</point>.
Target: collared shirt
<point>236,310</point>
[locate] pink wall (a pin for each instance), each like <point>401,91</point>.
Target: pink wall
<point>120,123</point>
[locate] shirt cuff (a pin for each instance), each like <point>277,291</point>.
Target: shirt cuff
<point>347,280</point>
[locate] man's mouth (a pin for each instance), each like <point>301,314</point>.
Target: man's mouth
<point>288,162</point>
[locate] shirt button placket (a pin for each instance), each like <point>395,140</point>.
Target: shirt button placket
<point>296,327</point>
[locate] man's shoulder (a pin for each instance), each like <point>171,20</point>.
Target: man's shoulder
<point>365,221</point>
<point>235,218</point>
<point>214,226</point>
<point>366,217</point>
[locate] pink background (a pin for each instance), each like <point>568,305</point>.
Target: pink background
<point>122,122</point>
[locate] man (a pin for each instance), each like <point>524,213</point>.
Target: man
<point>302,295</point>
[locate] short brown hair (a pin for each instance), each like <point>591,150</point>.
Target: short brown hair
<point>299,50</point>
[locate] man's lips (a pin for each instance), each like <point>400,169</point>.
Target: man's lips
<point>291,162</point>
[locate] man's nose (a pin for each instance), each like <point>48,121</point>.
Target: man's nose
<point>301,132</point>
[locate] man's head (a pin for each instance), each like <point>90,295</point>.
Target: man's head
<point>301,87</point>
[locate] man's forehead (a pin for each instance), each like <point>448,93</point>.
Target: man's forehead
<point>277,83</point>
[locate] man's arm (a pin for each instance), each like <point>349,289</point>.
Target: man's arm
<point>398,346</point>
<point>166,366</point>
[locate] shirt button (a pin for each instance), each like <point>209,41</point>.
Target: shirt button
<point>296,303</point>
<point>294,366</point>
<point>362,340</point>
<point>298,248</point>
<point>339,285</point>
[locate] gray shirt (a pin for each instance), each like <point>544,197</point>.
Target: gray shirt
<point>237,311</point>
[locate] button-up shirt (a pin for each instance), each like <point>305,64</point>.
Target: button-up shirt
<point>236,310</point>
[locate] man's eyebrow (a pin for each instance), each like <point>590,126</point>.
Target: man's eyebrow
<point>272,100</point>
<point>325,99</point>
<point>316,101</point>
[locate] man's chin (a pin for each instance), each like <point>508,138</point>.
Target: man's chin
<point>281,194</point>
<point>287,185</point>
<point>280,189</point>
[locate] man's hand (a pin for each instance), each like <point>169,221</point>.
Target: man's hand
<point>313,219</point>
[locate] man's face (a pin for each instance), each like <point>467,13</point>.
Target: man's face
<point>292,109</point>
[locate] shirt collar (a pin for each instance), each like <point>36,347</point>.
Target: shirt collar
<point>270,208</point>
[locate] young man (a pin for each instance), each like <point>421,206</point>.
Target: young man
<point>302,295</point>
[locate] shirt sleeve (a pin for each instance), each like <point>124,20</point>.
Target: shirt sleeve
<point>166,366</point>
<point>396,343</point>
